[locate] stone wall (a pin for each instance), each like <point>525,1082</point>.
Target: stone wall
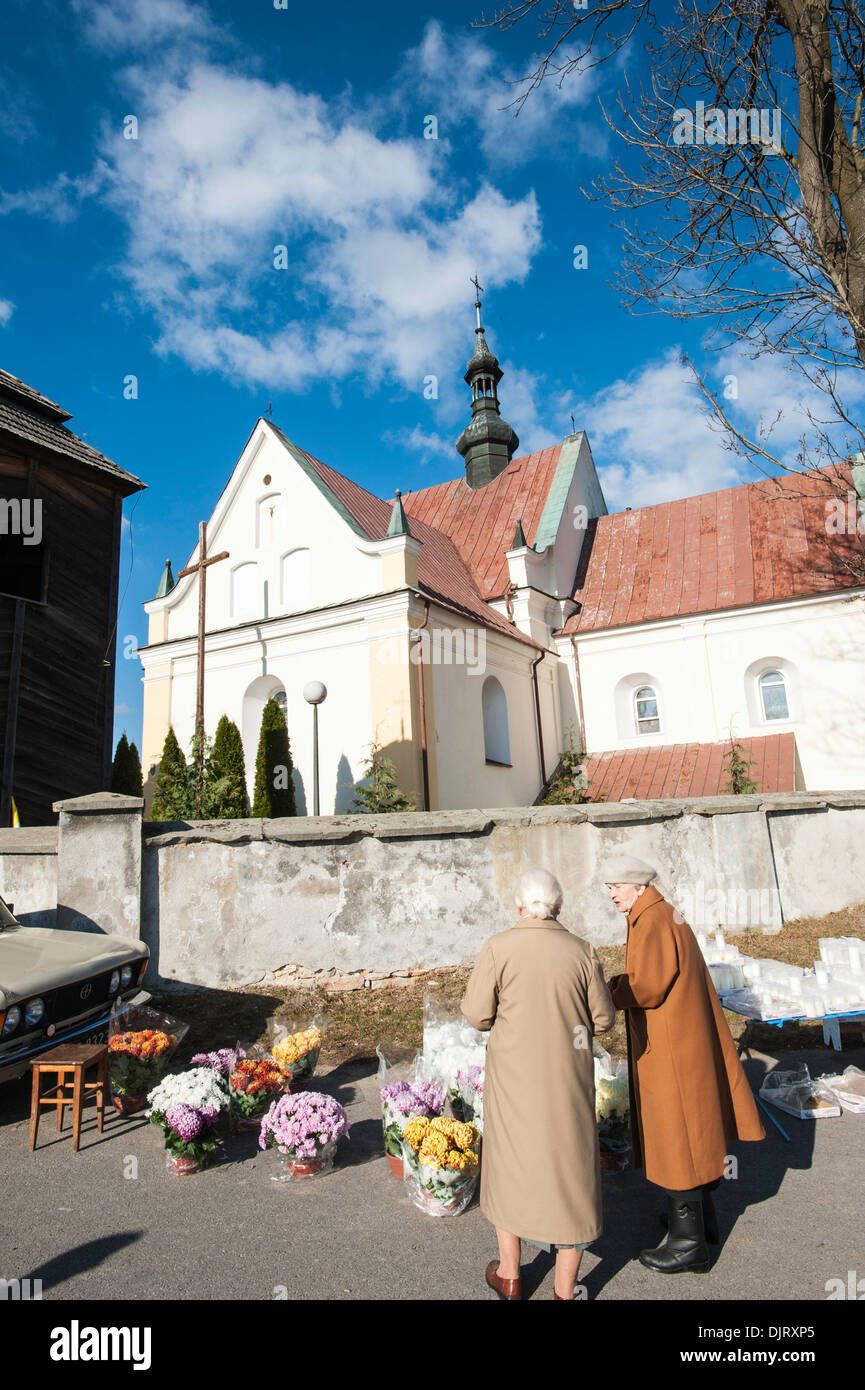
<point>229,903</point>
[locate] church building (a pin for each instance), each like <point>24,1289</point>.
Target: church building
<point>474,628</point>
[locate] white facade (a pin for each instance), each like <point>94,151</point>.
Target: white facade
<point>706,670</point>
<point>305,595</point>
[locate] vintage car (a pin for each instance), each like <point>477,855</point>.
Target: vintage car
<point>59,986</point>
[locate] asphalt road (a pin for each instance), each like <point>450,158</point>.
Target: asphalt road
<point>112,1222</point>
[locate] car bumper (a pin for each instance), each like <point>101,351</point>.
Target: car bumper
<point>95,1030</point>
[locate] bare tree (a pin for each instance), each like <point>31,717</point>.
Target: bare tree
<point>749,158</point>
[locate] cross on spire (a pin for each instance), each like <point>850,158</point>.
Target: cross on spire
<point>479,289</point>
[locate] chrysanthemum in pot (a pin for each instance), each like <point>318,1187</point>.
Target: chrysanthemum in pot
<point>186,1108</point>
<point>305,1129</point>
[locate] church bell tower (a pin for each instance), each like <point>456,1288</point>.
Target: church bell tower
<point>487,443</point>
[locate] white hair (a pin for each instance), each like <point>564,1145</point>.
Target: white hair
<point>539,893</point>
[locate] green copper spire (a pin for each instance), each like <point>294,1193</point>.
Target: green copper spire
<point>166,583</point>
<point>487,443</point>
<point>519,542</point>
<point>398,524</point>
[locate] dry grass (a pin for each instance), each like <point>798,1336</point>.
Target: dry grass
<point>391,1018</point>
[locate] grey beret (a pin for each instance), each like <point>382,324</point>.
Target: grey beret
<point>621,868</point>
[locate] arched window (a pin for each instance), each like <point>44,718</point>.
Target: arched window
<point>646,710</point>
<point>773,696</point>
<point>497,745</point>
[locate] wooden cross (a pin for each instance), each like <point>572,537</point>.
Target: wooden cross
<point>201,570</point>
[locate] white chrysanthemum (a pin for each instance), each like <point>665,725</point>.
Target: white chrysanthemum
<point>201,1087</point>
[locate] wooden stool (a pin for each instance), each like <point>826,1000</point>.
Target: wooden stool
<point>71,1060</point>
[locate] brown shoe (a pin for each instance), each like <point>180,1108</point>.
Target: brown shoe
<point>508,1289</point>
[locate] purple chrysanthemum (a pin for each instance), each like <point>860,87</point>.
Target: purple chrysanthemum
<point>186,1122</point>
<point>303,1124</point>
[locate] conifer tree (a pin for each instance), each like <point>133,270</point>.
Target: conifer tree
<point>171,796</point>
<point>230,770</point>
<point>126,768</point>
<point>381,794</point>
<point>274,785</point>
<point>738,766</point>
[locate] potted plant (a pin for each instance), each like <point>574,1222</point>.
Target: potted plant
<point>442,1163</point>
<point>187,1107</point>
<point>399,1102</point>
<point>305,1129</point>
<point>253,1086</point>
<point>141,1043</point>
<point>297,1052</point>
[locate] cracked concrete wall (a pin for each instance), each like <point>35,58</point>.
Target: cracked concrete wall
<point>225,903</point>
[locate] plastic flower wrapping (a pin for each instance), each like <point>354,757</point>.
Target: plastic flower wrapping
<point>441,1163</point>
<point>141,1043</point>
<point>468,1094</point>
<point>254,1084</point>
<point>223,1061</point>
<point>186,1107</point>
<point>450,1044</point>
<point>612,1101</point>
<point>303,1126</point>
<point>297,1049</point>
<point>403,1100</point>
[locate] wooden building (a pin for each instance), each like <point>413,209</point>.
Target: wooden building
<point>60,516</point>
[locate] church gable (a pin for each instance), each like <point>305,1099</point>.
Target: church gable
<point>290,545</point>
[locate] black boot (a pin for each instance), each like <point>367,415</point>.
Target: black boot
<point>685,1247</point>
<point>710,1219</point>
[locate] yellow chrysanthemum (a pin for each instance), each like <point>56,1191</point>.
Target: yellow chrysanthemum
<point>434,1144</point>
<point>443,1124</point>
<point>416,1130</point>
<point>464,1135</point>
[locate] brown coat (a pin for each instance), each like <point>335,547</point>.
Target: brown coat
<point>689,1094</point>
<point>541,992</point>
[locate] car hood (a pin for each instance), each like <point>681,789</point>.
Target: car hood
<point>33,959</point>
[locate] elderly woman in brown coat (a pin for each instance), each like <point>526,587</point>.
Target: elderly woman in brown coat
<point>541,992</point>
<point>689,1094</point>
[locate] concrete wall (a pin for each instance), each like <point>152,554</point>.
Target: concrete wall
<point>226,903</point>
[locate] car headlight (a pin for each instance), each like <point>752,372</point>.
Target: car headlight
<point>34,1012</point>
<point>10,1023</point>
<point>114,982</point>
<point>126,976</point>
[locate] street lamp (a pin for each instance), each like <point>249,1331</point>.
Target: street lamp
<point>314,692</point>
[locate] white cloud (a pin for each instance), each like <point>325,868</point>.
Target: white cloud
<point>7,309</point>
<point>464,79</point>
<point>652,425</point>
<point>143,24</point>
<point>417,445</point>
<point>227,167</point>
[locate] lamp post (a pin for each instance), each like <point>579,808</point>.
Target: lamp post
<point>314,692</point>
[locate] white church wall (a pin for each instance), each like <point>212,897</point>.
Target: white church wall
<point>465,778</point>
<point>706,672</point>
<point>244,668</point>
<point>285,542</point>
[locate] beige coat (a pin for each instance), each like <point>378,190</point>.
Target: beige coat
<point>541,992</point>
<point>689,1094</point>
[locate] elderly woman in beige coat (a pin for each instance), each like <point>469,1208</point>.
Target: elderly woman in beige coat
<point>541,993</point>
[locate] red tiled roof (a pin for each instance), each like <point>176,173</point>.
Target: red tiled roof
<point>442,571</point>
<point>758,543</point>
<point>689,769</point>
<point>481,521</point>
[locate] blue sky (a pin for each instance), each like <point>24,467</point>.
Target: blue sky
<point>258,127</point>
